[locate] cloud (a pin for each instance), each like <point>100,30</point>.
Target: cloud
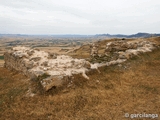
<point>79,17</point>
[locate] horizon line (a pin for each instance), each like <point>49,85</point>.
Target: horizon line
<point>74,34</point>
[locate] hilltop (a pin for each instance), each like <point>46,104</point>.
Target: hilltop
<point>129,87</point>
<point>137,35</point>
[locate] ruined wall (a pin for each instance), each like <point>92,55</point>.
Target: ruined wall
<point>35,63</point>
<point>119,51</point>
<point>126,50</point>
<point>60,68</point>
<point>15,62</point>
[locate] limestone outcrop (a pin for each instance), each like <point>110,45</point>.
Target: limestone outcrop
<point>34,63</point>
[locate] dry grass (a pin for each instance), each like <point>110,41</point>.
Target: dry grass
<point>1,63</point>
<point>133,87</point>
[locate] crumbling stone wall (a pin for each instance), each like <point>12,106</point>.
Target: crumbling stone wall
<point>116,46</point>
<point>126,50</point>
<point>35,63</point>
<point>60,68</point>
<point>120,50</point>
<point>16,62</point>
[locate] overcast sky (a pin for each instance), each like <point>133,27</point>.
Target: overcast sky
<point>79,16</point>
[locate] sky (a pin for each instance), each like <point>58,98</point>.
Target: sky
<point>85,17</point>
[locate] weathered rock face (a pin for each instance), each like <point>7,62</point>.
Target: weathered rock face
<point>35,63</point>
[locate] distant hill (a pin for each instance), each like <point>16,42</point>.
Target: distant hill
<point>45,35</point>
<point>144,35</point>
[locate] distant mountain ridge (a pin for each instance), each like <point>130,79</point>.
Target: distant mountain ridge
<point>144,35</point>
